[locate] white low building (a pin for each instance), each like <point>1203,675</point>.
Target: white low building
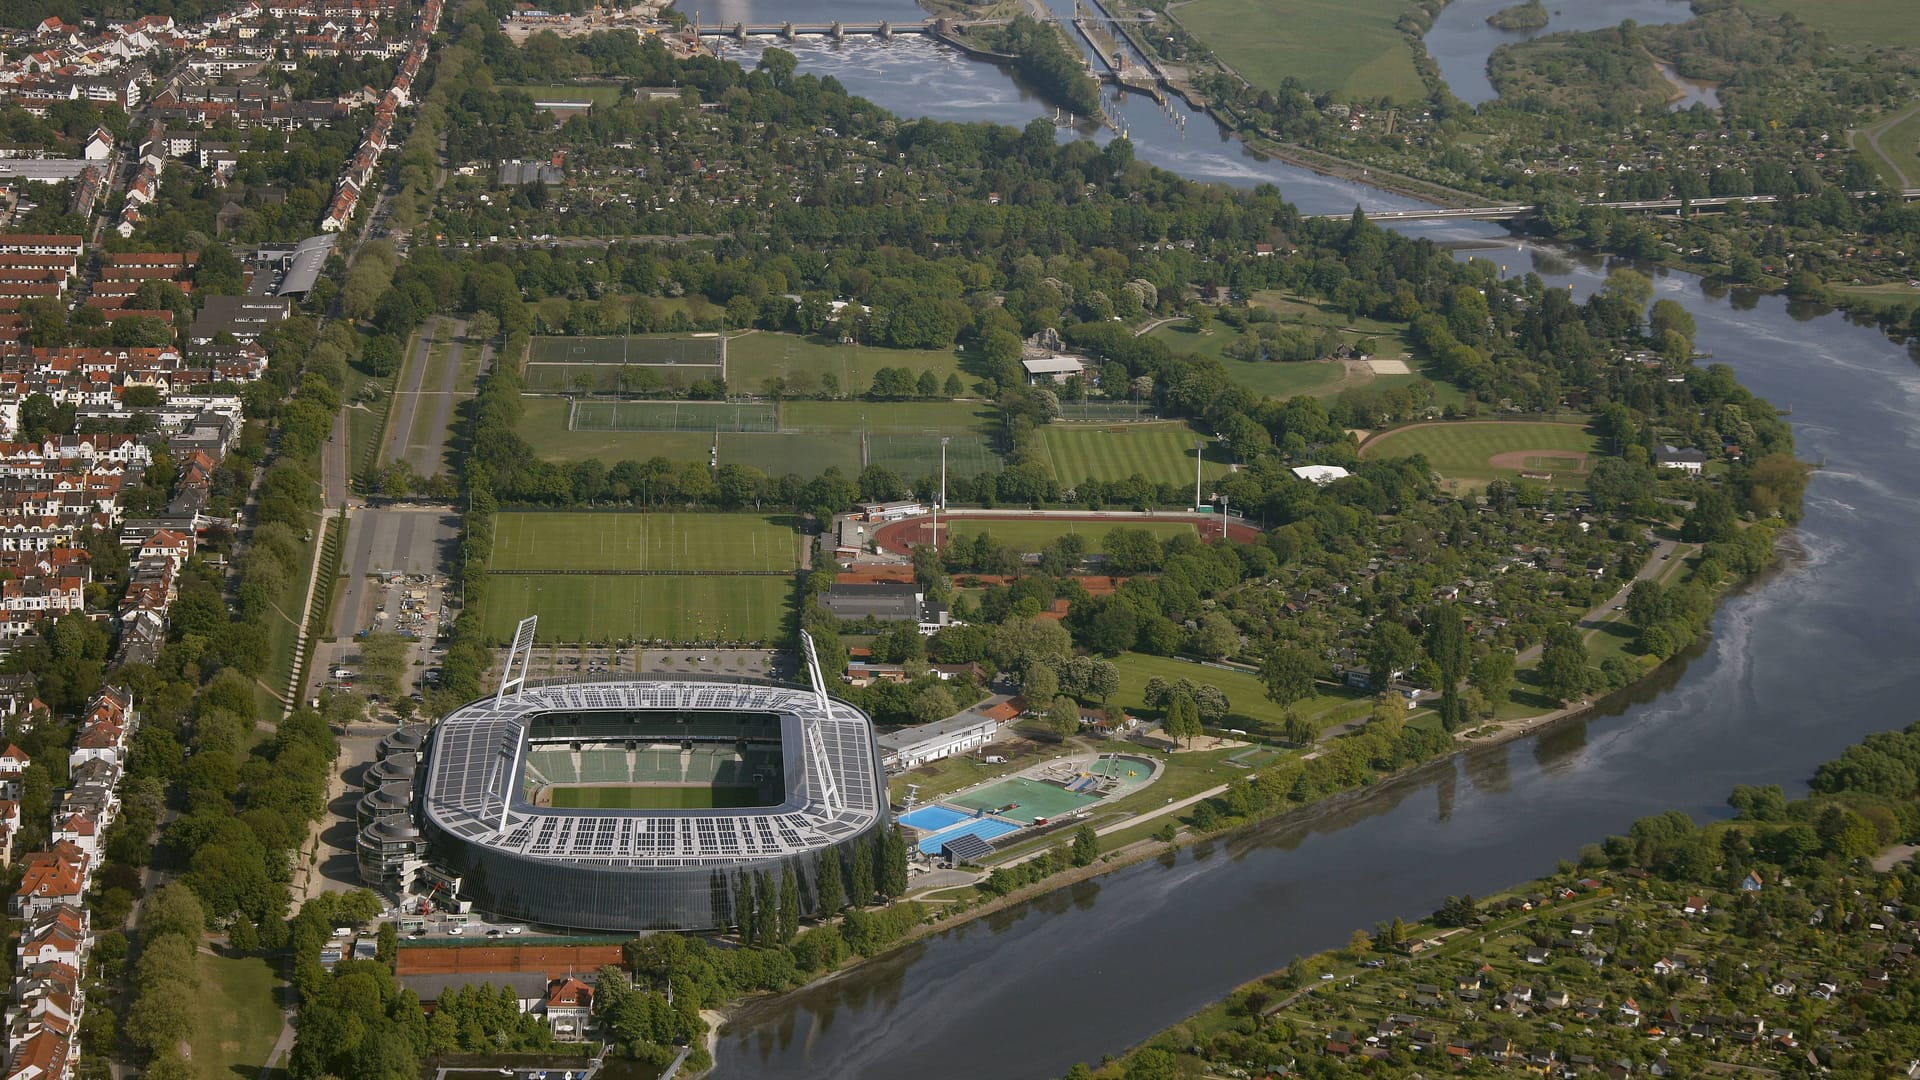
<point>915,746</point>
<point>1321,475</point>
<point>1053,368</point>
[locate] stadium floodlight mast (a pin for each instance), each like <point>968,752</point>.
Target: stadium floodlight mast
<point>942,500</point>
<point>816,746</point>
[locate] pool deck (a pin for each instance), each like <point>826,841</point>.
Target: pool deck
<point>1059,769</point>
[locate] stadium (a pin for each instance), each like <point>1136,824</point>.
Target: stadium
<point>632,804</point>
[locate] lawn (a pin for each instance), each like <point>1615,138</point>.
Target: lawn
<point>1249,708</point>
<point>237,1017</point>
<point>628,541</point>
<point>1851,22</point>
<point>608,607</point>
<point>903,436</point>
<point>804,362</point>
<point>1163,453</point>
<point>1348,47</point>
<point>1034,535</point>
<point>1476,452</point>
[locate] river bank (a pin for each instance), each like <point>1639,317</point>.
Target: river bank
<point>1300,818</point>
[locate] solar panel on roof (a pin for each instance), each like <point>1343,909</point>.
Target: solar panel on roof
<point>966,848</point>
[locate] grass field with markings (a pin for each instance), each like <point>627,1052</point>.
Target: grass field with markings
<point>1466,451</point>
<point>1163,453</point>
<point>655,797</point>
<point>610,607</point>
<point>578,541</point>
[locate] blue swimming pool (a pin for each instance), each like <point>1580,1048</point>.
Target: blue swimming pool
<point>933,818</point>
<point>984,828</point>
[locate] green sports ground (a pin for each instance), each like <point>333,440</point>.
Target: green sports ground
<point>1466,450</point>
<point>631,541</point>
<point>610,607</point>
<point>1162,453</point>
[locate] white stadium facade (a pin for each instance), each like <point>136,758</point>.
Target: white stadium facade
<point>488,820</point>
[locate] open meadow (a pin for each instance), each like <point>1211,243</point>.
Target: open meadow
<point>1163,453</point>
<point>1348,47</point>
<point>1249,708</point>
<point>1850,22</point>
<point>609,607</point>
<point>532,541</point>
<point>1478,452</point>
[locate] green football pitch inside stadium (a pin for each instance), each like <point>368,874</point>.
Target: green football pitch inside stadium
<point>656,797</point>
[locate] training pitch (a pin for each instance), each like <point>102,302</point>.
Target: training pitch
<point>629,541</point>
<point>1162,453</point>
<point>612,607</point>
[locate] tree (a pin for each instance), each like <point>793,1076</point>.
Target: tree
<point>789,921</point>
<point>1063,716</point>
<point>1564,673</point>
<point>893,863</point>
<point>1493,675</point>
<point>1288,674</point>
<point>861,887</point>
<point>1299,730</point>
<point>1216,635</point>
<point>827,883</point>
<point>933,703</point>
<point>766,930</point>
<point>1182,720</point>
<point>1086,845</point>
<point>1390,650</point>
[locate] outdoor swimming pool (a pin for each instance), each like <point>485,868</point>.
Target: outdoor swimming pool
<point>933,818</point>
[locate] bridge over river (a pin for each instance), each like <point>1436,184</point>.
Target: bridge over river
<point>1511,211</point>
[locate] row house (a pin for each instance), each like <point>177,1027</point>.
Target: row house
<point>24,602</point>
<point>50,879</point>
<point>45,1003</point>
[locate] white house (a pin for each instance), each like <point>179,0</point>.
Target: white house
<point>915,746</point>
<point>1686,459</point>
<point>1321,475</point>
<point>1053,368</point>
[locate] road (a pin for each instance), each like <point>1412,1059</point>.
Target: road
<point>1873,133</point>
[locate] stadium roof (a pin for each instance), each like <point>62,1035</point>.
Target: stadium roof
<point>966,848</point>
<point>477,753</point>
<point>303,268</point>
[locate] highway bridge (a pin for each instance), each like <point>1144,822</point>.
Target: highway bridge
<point>840,31</point>
<point>1512,211</point>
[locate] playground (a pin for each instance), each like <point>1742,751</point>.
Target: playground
<point>1039,796</point>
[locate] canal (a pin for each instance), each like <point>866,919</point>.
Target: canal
<point>1798,666</point>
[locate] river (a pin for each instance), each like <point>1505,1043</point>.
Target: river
<point>1460,39</point>
<point>1798,666</point>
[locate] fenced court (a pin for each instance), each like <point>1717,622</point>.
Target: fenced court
<point>1024,800</point>
<point>629,364</point>
<point>551,541</point>
<point>698,416</point>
